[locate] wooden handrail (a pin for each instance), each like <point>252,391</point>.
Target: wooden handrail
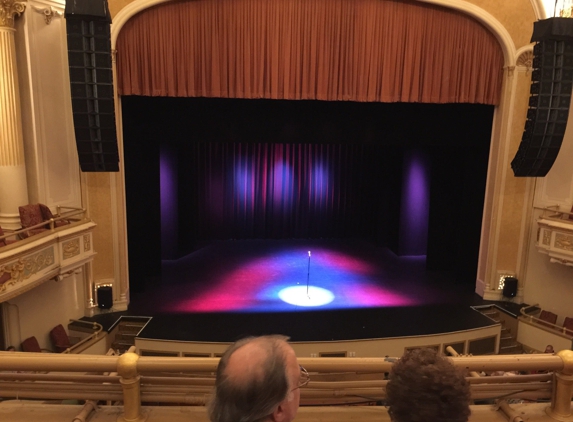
<point>47,362</point>
<point>128,385</point>
<point>98,329</point>
<point>538,321</point>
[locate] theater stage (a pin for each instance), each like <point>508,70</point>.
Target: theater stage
<point>230,289</point>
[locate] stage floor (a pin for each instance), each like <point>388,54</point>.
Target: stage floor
<point>231,289</point>
<point>297,275</point>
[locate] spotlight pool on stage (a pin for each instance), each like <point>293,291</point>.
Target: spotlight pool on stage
<point>301,296</point>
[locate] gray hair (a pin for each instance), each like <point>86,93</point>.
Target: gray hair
<point>255,399</point>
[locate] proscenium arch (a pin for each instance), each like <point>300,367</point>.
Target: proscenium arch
<point>501,111</point>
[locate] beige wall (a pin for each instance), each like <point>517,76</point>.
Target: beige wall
<point>37,311</point>
<point>99,201</point>
<point>513,189</point>
<point>517,16</point>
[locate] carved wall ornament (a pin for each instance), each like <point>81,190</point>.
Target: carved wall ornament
<point>87,242</point>
<point>525,59</point>
<point>48,12</point>
<point>510,70</point>
<point>564,242</point>
<point>24,268</point>
<point>8,10</point>
<point>546,237</point>
<point>561,261</point>
<point>71,248</point>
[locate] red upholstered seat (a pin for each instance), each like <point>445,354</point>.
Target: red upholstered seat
<point>33,214</point>
<point>31,345</point>
<point>47,216</point>
<point>568,325</point>
<point>60,339</point>
<point>547,317</point>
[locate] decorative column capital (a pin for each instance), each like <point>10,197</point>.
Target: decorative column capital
<point>8,10</point>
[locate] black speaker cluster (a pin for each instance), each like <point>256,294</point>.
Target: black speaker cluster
<point>510,287</point>
<point>104,297</point>
<point>551,84</point>
<point>91,78</point>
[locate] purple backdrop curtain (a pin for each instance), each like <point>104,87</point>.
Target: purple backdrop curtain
<point>249,190</point>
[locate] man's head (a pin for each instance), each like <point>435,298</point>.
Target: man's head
<point>424,386</point>
<point>549,349</point>
<point>257,380</point>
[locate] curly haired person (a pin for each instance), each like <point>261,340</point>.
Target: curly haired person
<point>426,387</point>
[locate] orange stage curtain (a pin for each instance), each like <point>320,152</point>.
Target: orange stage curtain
<point>359,50</point>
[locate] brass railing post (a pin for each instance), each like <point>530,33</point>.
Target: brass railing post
<point>130,383</point>
<point>563,387</point>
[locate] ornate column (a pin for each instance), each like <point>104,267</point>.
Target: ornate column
<point>13,185</point>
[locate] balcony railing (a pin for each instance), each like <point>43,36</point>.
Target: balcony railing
<point>526,315</point>
<point>96,334</point>
<point>55,253</point>
<point>62,214</point>
<point>555,235</point>
<point>132,379</point>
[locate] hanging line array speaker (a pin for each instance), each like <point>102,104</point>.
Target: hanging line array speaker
<point>91,77</point>
<point>551,82</point>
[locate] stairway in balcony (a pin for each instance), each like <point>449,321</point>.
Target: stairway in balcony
<point>508,344</point>
<point>127,330</point>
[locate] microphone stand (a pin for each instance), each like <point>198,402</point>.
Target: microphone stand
<point>308,275</point>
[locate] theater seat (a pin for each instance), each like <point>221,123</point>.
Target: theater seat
<point>60,339</point>
<point>35,214</point>
<point>31,215</point>
<point>31,345</point>
<point>568,325</point>
<point>47,216</point>
<point>547,317</point>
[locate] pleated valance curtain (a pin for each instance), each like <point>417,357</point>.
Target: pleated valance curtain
<point>359,50</point>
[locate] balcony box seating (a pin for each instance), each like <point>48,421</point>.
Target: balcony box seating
<point>60,339</point>
<point>33,214</point>
<point>547,317</point>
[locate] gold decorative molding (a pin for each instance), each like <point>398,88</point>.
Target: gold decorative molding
<point>561,261</point>
<point>71,248</point>
<point>24,268</point>
<point>87,242</point>
<point>8,10</point>
<point>564,242</point>
<point>546,237</point>
<point>48,12</point>
<point>525,59</point>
